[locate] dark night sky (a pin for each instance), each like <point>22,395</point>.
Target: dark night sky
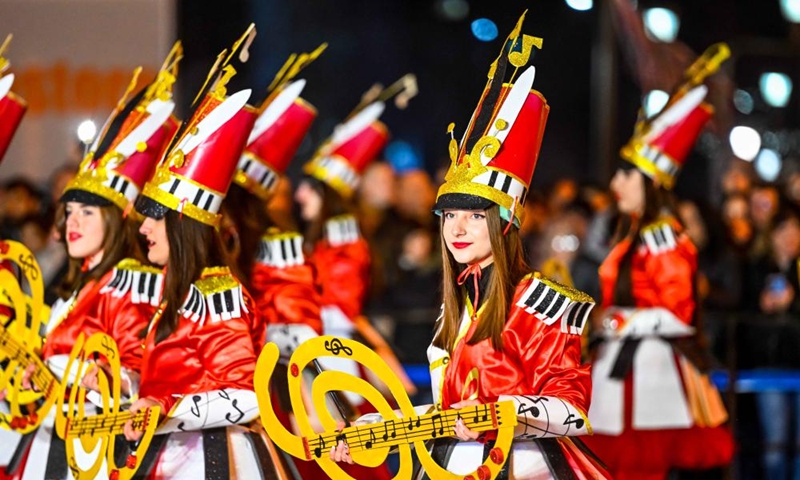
<point>380,40</point>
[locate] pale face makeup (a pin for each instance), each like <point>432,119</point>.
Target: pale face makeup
<point>155,232</point>
<point>628,189</point>
<point>85,232</point>
<point>466,235</point>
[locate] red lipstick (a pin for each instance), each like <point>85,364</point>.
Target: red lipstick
<point>460,245</point>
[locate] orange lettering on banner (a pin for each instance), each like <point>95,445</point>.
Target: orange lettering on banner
<point>63,89</point>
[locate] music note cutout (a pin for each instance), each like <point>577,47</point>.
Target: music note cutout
<point>319,449</point>
<point>371,440</point>
<point>386,434</point>
<point>434,419</point>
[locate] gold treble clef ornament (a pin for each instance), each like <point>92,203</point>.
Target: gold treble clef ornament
<point>370,444</point>
<point>20,321</point>
<point>90,440</point>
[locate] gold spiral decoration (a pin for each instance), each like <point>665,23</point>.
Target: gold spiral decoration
<point>91,438</point>
<point>20,341</point>
<point>370,444</point>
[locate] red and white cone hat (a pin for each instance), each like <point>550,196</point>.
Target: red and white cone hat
<point>195,173</point>
<point>341,161</point>
<point>662,151</point>
<point>12,107</point>
<point>660,145</point>
<point>125,154</point>
<point>274,140</point>
<point>498,154</point>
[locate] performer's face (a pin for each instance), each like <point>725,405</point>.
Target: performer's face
<point>85,232</point>
<point>310,201</point>
<point>466,234</point>
<point>155,231</point>
<point>628,188</point>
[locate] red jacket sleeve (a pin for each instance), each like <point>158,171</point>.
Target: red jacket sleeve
<point>551,359</point>
<point>672,273</point>
<point>344,275</point>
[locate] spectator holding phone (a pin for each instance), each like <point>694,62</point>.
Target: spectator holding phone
<point>775,291</point>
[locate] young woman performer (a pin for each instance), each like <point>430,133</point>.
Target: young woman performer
<point>652,409</point>
<point>107,289</point>
<point>506,333</point>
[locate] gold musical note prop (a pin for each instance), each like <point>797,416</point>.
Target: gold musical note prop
<point>90,440</point>
<point>706,65</point>
<point>20,342</point>
<point>405,88</point>
<point>370,444</point>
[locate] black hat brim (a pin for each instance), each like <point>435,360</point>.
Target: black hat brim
<point>461,201</point>
<point>151,208</point>
<point>84,197</point>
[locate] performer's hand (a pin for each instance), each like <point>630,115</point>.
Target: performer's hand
<point>101,367</point>
<point>131,434</point>
<point>26,377</point>
<point>341,453</point>
<point>461,430</point>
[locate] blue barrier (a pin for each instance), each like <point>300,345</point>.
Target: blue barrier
<point>747,381</point>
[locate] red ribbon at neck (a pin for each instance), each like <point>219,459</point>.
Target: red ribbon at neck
<point>475,271</point>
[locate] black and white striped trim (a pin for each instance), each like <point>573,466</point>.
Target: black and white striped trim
<point>661,161</point>
<point>659,238</point>
<point>219,306</point>
<point>548,305</point>
<point>335,167</point>
<point>121,185</point>
<point>342,230</point>
<point>258,172</point>
<point>194,308</point>
<point>503,182</point>
<point>144,287</point>
<point>191,193</point>
<point>281,251</point>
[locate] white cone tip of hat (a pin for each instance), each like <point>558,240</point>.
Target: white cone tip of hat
<point>5,84</point>
<point>357,124</point>
<point>676,112</point>
<point>276,108</point>
<point>214,120</point>
<point>512,105</point>
<point>159,113</point>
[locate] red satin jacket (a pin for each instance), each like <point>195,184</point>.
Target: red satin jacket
<point>283,285</point>
<point>541,353</point>
<point>211,349</point>
<point>343,267</point>
<point>662,270</point>
<point>120,305</point>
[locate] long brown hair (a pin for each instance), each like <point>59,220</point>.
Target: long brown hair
<point>509,268</point>
<point>250,221</point>
<point>193,246</point>
<point>333,204</point>
<point>120,240</point>
<point>657,202</point>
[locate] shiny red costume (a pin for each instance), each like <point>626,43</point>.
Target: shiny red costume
<point>662,274</point>
<point>540,357</point>
<point>105,306</point>
<point>537,359</point>
<point>343,273</point>
<point>205,352</point>
<point>287,295</point>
